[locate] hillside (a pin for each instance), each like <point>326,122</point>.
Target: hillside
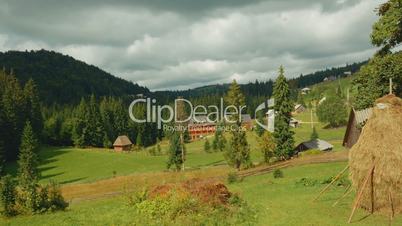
<point>62,79</point>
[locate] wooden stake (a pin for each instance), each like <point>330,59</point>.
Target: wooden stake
<point>390,85</point>
<point>391,217</point>
<point>347,192</point>
<point>359,196</point>
<point>333,181</point>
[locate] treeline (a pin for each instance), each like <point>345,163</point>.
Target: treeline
<point>255,92</point>
<point>62,79</point>
<point>18,105</point>
<point>97,123</point>
<point>94,122</point>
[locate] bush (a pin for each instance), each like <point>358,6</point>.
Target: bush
<point>278,173</point>
<point>7,195</point>
<point>17,200</point>
<point>308,182</point>
<point>232,177</point>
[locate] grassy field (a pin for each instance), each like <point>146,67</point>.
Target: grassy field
<point>276,201</point>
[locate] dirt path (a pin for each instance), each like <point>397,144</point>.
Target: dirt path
<point>75,193</point>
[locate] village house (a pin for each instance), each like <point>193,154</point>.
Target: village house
<point>305,90</point>
<point>200,127</point>
<point>246,121</point>
<point>122,143</point>
<point>356,121</point>
<point>316,144</point>
<point>299,108</point>
<point>329,78</point>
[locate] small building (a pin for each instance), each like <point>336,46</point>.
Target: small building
<point>299,108</point>
<point>200,126</point>
<point>329,78</point>
<point>246,121</point>
<point>316,144</point>
<point>305,90</point>
<point>347,73</point>
<point>122,143</point>
<point>294,123</point>
<point>356,121</point>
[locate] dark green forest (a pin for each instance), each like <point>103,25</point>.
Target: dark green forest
<point>62,79</point>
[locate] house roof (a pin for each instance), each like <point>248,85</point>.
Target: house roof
<point>122,141</point>
<point>245,118</point>
<point>321,145</point>
<point>306,89</point>
<point>362,115</point>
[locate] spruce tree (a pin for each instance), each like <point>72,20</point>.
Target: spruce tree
<point>259,129</point>
<point>28,172</point>
<point>207,146</point>
<point>219,142</point>
<point>283,108</point>
<point>238,151</point>
<point>95,127</point>
<point>314,134</point>
<point>79,136</point>
<point>267,146</point>
<point>8,195</point>
<point>33,108</point>
<point>176,149</point>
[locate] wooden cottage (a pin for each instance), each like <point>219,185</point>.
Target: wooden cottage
<point>122,143</point>
<point>246,121</point>
<point>316,144</point>
<point>356,121</point>
<point>299,108</point>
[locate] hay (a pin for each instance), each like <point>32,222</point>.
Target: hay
<point>380,144</point>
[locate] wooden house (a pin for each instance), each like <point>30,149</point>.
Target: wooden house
<point>122,143</point>
<point>200,127</point>
<point>299,108</point>
<point>356,121</point>
<point>316,144</point>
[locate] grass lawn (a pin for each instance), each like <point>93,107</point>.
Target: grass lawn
<point>277,202</point>
<point>74,165</point>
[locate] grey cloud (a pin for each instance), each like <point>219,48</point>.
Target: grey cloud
<point>181,43</point>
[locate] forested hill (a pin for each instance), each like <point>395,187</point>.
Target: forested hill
<point>62,79</point>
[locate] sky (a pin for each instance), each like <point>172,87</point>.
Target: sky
<point>181,44</point>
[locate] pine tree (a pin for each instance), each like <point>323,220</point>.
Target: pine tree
<point>332,111</point>
<point>8,195</point>
<point>175,152</point>
<point>95,127</point>
<point>314,134</point>
<point>33,108</point>
<point>267,145</point>
<point>80,137</point>
<point>219,142</point>
<point>207,146</point>
<point>138,141</point>
<point>283,108</point>
<point>28,172</point>
<point>259,129</point>
<point>238,151</point>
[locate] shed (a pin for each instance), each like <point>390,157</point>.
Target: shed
<point>122,143</point>
<point>299,108</point>
<point>317,144</point>
<point>356,121</point>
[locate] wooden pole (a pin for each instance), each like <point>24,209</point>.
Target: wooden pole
<point>390,85</point>
<point>392,213</point>
<point>360,194</point>
<point>333,181</point>
<point>347,192</point>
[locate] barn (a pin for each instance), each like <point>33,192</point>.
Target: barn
<point>316,144</point>
<point>356,121</point>
<point>122,143</point>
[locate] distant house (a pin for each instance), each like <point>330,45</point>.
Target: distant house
<point>329,78</point>
<point>122,143</point>
<point>246,121</point>
<point>294,123</point>
<point>356,121</point>
<point>316,144</point>
<point>347,73</point>
<point>200,126</point>
<point>299,108</point>
<point>305,90</point>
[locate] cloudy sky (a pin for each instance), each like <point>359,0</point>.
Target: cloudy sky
<point>179,44</point>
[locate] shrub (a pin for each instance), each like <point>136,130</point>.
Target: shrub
<point>278,173</point>
<point>308,182</point>
<point>7,195</point>
<point>232,177</point>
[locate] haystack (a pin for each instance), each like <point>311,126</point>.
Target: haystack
<point>375,161</point>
